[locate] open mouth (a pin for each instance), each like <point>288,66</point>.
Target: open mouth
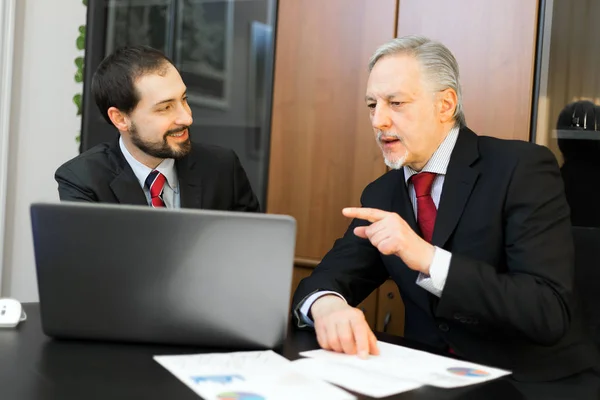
<point>388,141</point>
<point>181,134</point>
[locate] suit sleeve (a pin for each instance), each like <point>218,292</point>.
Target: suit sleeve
<point>532,298</point>
<point>71,188</point>
<point>353,268</point>
<point>245,199</point>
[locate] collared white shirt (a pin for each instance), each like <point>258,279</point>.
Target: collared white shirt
<point>166,167</point>
<point>438,164</point>
<point>438,270</point>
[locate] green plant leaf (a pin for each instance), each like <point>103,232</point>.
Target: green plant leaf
<point>77,101</point>
<point>79,74</point>
<point>80,43</point>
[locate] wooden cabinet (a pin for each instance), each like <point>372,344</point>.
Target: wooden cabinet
<point>390,309</point>
<point>369,308</point>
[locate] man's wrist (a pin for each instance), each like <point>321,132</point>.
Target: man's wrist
<point>420,258</point>
<point>427,259</point>
<point>322,303</point>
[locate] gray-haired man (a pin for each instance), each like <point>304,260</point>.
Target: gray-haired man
<point>474,230</point>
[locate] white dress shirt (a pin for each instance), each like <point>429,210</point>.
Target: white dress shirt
<point>438,270</point>
<point>167,167</point>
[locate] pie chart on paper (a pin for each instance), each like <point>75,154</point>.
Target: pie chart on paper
<point>240,396</point>
<point>468,372</point>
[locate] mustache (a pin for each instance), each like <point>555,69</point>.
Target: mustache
<point>381,134</point>
<point>177,130</point>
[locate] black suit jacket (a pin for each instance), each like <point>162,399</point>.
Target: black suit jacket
<point>210,177</point>
<point>508,298</point>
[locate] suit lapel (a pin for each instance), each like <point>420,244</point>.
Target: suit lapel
<point>458,184</point>
<point>190,182</point>
<point>127,189</point>
<point>403,206</point>
<point>125,185</point>
<point>401,203</point>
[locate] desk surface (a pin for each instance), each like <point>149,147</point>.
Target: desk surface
<point>35,367</point>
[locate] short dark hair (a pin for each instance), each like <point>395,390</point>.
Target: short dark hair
<point>113,84</point>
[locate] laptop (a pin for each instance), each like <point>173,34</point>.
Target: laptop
<point>170,276</point>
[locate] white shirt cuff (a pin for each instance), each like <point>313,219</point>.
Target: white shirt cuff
<point>438,272</point>
<point>305,307</point>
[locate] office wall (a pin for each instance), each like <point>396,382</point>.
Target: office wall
<point>43,126</point>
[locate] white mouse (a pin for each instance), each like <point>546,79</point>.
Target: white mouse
<point>11,313</point>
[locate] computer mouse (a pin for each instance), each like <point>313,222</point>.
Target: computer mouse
<point>11,313</point>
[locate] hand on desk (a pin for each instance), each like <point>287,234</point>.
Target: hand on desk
<point>342,328</point>
<point>392,235</point>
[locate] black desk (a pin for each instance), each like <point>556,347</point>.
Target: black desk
<point>35,367</point>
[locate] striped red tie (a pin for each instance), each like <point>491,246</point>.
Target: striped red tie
<point>426,211</point>
<point>156,182</point>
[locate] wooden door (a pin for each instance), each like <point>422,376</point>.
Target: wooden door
<point>494,43</point>
<point>323,151</point>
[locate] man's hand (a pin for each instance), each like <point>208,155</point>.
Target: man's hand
<point>342,328</point>
<point>392,235</point>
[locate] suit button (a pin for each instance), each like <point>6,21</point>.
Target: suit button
<point>465,320</point>
<point>444,327</point>
<point>458,316</point>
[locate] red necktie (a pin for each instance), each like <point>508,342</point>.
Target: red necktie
<point>426,210</point>
<point>156,182</point>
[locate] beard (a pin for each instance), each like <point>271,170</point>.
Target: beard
<point>161,149</point>
<point>393,162</point>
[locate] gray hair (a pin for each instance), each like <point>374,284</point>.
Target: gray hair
<point>437,63</point>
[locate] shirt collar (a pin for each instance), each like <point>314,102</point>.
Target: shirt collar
<point>166,167</point>
<point>438,163</point>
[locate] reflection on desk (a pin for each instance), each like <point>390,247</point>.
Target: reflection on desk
<point>35,367</point>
